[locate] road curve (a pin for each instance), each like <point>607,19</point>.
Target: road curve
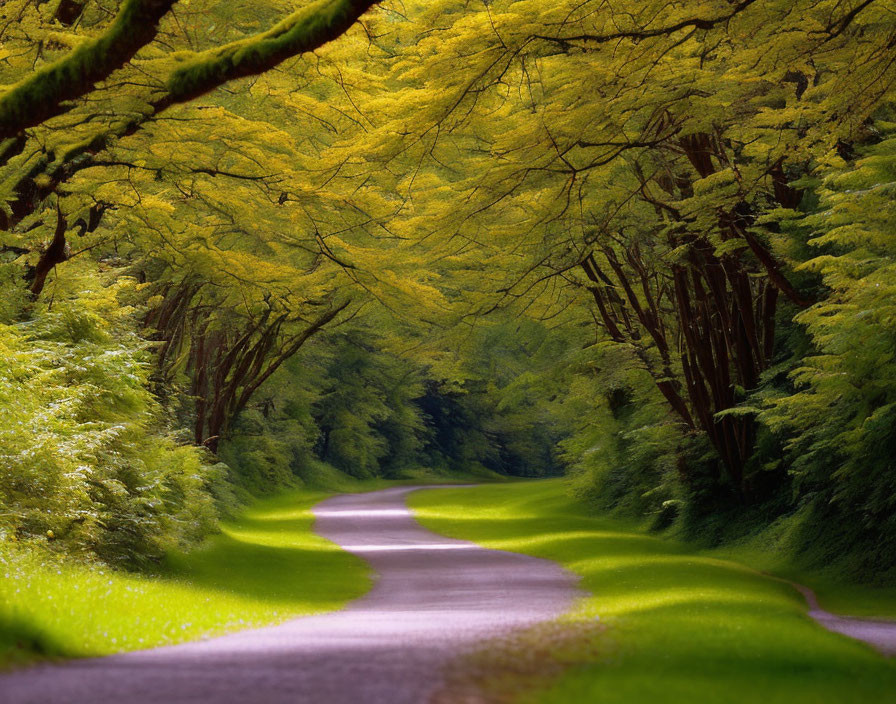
<point>879,634</point>
<point>434,598</point>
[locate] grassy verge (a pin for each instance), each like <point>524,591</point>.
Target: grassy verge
<point>680,626</point>
<point>264,567</point>
<point>834,593</point>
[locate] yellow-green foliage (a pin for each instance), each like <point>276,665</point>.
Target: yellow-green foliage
<point>301,31</point>
<point>840,419</point>
<point>91,60</point>
<point>87,464</point>
<point>523,137</point>
<point>445,159</point>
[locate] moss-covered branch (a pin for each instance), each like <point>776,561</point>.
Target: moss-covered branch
<point>43,94</point>
<point>307,29</point>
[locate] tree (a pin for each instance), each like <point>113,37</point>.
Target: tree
<point>238,277</point>
<point>838,420</point>
<point>623,161</point>
<point>124,74</point>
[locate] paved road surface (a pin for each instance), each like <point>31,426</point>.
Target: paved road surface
<point>880,634</point>
<point>434,599</point>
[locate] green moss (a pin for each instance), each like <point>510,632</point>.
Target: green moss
<point>306,29</point>
<point>40,93</point>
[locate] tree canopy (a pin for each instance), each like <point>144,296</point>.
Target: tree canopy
<point>645,243</point>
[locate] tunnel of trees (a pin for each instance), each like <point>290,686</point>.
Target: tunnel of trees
<point>645,244</point>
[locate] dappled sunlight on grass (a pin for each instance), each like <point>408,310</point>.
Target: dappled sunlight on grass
<point>681,626</point>
<point>263,568</point>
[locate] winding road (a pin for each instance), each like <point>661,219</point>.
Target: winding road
<point>879,634</point>
<point>434,599</point>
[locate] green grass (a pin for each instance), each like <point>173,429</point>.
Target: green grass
<point>835,592</point>
<point>680,626</point>
<point>266,566</point>
<point>843,598</point>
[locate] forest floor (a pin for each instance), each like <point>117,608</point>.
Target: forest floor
<point>676,624</point>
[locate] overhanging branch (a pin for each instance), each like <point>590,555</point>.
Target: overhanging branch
<point>44,93</point>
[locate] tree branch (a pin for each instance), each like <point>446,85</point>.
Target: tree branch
<point>694,22</point>
<point>43,94</point>
<point>305,30</point>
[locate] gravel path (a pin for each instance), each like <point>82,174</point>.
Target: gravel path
<point>434,598</point>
